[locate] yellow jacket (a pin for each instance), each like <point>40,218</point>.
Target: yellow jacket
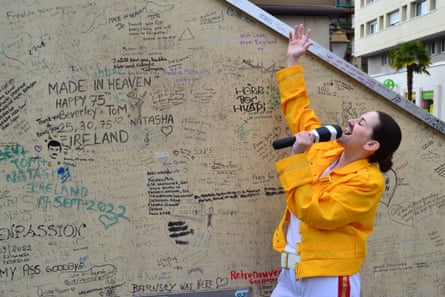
<point>337,211</point>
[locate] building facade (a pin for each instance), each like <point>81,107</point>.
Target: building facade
<point>381,25</point>
<point>322,16</point>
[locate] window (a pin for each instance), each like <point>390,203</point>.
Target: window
<point>394,18</point>
<point>420,8</point>
<point>384,59</point>
<point>404,12</point>
<point>372,27</point>
<point>432,5</point>
<point>365,2</point>
<point>427,102</point>
<point>432,47</point>
<point>442,45</point>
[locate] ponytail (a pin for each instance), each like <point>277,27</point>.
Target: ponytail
<point>389,135</point>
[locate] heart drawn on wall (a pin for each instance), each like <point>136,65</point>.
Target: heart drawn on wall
<point>167,130</point>
<point>402,213</point>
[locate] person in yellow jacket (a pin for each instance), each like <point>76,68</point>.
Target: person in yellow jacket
<point>332,190</point>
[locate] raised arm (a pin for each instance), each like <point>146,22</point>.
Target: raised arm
<point>294,99</point>
<point>298,45</point>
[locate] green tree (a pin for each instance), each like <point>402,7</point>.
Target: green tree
<point>414,57</point>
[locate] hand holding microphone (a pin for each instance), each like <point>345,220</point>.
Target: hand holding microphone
<point>324,133</point>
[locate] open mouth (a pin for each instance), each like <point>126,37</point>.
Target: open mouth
<point>348,130</point>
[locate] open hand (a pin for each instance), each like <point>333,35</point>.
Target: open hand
<point>298,44</point>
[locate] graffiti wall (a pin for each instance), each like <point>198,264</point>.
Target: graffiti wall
<point>136,157</point>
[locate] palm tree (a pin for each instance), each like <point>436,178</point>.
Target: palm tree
<point>413,56</point>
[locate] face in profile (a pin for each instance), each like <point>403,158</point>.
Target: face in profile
<point>359,131</point>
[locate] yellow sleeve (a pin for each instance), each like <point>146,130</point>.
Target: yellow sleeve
<point>295,101</point>
<point>294,171</point>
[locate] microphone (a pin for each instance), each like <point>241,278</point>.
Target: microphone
<point>325,133</point>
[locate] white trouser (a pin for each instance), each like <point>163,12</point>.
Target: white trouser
<point>335,286</point>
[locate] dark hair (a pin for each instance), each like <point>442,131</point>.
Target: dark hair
<point>389,135</point>
<point>54,143</point>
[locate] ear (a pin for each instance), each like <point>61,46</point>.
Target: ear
<point>372,145</point>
